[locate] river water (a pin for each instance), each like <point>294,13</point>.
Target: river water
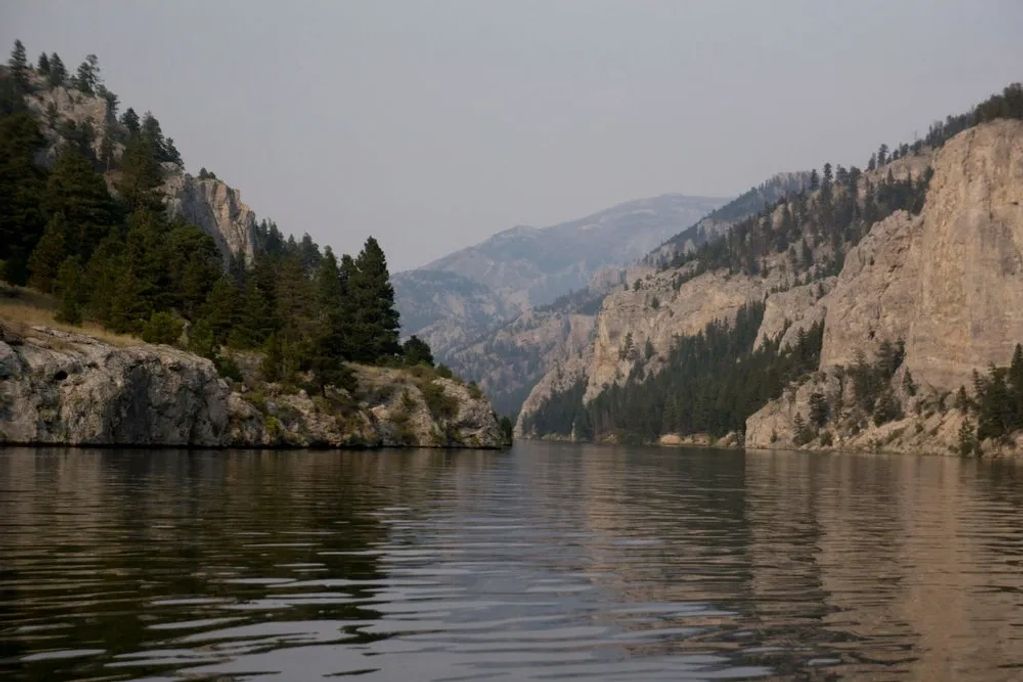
<point>543,562</point>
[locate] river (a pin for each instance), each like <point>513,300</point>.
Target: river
<point>543,562</point>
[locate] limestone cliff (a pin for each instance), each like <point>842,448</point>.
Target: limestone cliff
<point>947,282</point>
<point>218,209</point>
<point>207,202</point>
<point>66,388</point>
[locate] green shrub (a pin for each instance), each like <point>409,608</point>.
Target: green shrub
<point>162,327</point>
<point>440,404</point>
<point>227,367</point>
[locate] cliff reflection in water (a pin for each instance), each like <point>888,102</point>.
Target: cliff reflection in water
<point>567,560</point>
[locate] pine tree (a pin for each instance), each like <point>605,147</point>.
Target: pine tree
<point>995,409</point>
<point>968,444</point>
<point>801,433</point>
<point>375,320</point>
<point>331,341</point>
<point>87,77</point>
<point>1015,381</point>
<point>58,73</point>
<point>140,175</point>
<point>80,193</point>
<point>49,254</point>
<point>43,65</point>
<point>819,409</point>
<point>415,351</point>
<point>22,183</point>
<point>130,120</point>
<point>221,309</point>
<point>18,65</point>
<point>69,289</point>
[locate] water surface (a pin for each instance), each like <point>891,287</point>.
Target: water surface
<point>545,562</point>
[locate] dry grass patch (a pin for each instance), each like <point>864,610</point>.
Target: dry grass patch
<point>23,308</point>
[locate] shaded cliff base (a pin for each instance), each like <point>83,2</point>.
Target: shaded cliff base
<point>61,387</point>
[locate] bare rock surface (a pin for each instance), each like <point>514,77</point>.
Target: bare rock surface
<point>65,388</point>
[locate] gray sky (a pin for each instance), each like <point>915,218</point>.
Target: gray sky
<point>432,125</point>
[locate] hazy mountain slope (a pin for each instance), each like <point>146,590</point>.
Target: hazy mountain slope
<point>527,266</point>
<point>717,222</point>
<point>544,263</point>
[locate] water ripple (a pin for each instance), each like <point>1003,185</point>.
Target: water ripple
<point>548,562</point>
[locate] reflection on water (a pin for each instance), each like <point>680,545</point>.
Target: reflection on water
<point>544,562</point>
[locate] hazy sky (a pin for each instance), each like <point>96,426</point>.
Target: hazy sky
<point>432,125</point>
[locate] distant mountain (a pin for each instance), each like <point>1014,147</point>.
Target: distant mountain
<point>491,282</point>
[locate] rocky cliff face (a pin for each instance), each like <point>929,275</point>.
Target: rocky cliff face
<point>55,107</point>
<point>218,209</point>
<point>63,388</point>
<point>948,282</point>
<point>208,203</point>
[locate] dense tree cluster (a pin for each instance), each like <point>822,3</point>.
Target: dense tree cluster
<point>816,227</point>
<point>120,260</point>
<point>996,405</point>
<point>710,384</point>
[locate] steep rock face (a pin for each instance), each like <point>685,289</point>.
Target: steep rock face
<point>636,328</point>
<point>63,388</point>
<point>53,106</point>
<point>58,387</point>
<point>561,378</point>
<point>949,281</point>
<point>217,208</point>
<point>787,312</point>
<point>208,203</point>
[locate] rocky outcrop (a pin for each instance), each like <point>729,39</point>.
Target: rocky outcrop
<point>206,202</point>
<point>789,311</point>
<point>64,388</point>
<point>57,107</point>
<point>947,282</point>
<point>215,207</point>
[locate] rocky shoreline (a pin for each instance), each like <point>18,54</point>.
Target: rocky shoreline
<point>66,388</point>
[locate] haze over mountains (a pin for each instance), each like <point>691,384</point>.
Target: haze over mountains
<point>505,311</point>
<point>453,299</point>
